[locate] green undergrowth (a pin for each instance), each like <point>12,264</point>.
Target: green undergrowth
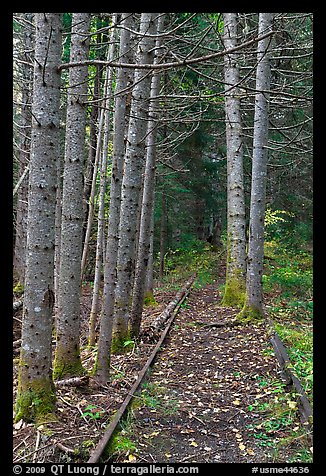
<point>288,287</point>
<point>277,428</point>
<point>182,262</point>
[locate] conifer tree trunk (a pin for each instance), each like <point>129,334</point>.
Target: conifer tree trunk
<point>253,307</point>
<point>102,365</point>
<point>143,250</point>
<point>236,236</point>
<point>149,285</point>
<point>67,356</point>
<point>24,155</point>
<point>36,395</point>
<point>132,182</point>
<point>101,228</point>
<point>163,233</point>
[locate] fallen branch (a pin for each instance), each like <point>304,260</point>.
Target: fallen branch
<point>64,448</point>
<point>73,382</point>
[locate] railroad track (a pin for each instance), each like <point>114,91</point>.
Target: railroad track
<point>165,320</point>
<point>166,317</point>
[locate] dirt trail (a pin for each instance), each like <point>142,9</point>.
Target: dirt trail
<point>194,406</point>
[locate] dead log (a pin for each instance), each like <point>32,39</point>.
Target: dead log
<point>72,382</point>
<point>161,319</point>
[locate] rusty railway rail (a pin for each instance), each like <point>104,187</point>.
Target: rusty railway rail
<point>173,311</point>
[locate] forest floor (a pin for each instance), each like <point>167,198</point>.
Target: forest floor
<point>213,395</point>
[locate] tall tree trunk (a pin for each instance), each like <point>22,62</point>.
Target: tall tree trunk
<point>253,307</point>
<point>132,182</point>
<point>36,397</point>
<point>102,364</point>
<point>88,174</point>
<point>149,285</point>
<point>147,202</point>
<point>236,236</point>
<point>67,356</point>
<point>101,228</point>
<point>91,200</point>
<point>58,213</point>
<point>24,143</point>
<point>163,232</point>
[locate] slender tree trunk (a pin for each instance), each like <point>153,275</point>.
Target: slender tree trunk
<point>163,233</point>
<point>253,307</point>
<point>101,228</point>
<point>102,365</point>
<point>131,183</point>
<point>143,250</point>
<point>91,202</point>
<point>25,134</point>
<point>88,174</point>
<point>149,285</point>
<point>67,356</point>
<point>36,397</point>
<point>236,239</point>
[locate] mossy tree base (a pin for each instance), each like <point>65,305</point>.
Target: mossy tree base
<point>234,293</point>
<point>65,366</point>
<point>149,299</point>
<point>37,402</point>
<point>249,314</point>
<point>118,344</point>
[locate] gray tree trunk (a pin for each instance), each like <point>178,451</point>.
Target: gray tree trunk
<point>36,396</point>
<point>143,250</point>
<point>132,182</point>
<point>253,307</point>
<point>236,233</point>
<point>102,364</point>
<point>67,356</point>
<point>24,144</point>
<point>104,164</point>
<point>149,289</point>
<point>163,232</point>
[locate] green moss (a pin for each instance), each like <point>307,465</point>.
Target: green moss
<point>118,342</point>
<point>119,445</point>
<point>234,293</point>
<point>250,314</point>
<point>37,402</point>
<point>149,299</point>
<point>19,288</point>
<point>66,365</point>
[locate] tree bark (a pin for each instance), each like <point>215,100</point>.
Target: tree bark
<point>147,202</point>
<point>163,233</point>
<point>132,182</point>
<point>102,365</point>
<point>253,307</point>
<point>24,156</point>
<point>101,228</point>
<point>36,396</point>
<point>236,236</point>
<point>67,356</point>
